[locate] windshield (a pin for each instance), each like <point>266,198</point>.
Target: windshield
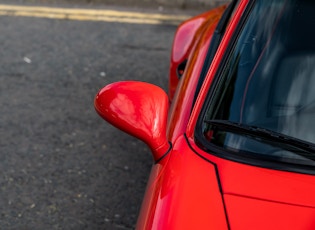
<point>263,103</point>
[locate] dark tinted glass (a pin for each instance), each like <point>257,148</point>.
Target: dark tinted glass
<point>268,82</point>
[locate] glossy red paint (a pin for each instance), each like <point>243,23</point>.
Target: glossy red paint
<point>182,102</point>
<point>263,198</point>
<point>186,37</point>
<point>214,67</point>
<point>183,193</point>
<point>261,214</point>
<point>189,188</point>
<point>255,197</point>
<point>139,109</point>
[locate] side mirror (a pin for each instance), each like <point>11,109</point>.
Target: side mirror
<point>139,109</point>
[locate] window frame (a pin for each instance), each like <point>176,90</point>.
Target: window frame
<point>218,151</point>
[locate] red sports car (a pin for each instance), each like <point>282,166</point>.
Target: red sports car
<point>233,142</point>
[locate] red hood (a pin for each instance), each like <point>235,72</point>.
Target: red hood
<point>258,198</point>
<point>254,213</point>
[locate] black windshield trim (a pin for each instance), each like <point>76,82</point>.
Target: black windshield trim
<point>215,150</point>
<point>252,159</point>
<point>263,133</point>
<point>214,44</point>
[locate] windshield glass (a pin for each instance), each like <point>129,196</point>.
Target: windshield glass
<point>264,101</point>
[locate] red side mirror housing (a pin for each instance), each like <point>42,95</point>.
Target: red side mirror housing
<point>139,109</point>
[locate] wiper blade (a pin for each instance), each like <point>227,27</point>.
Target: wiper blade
<point>260,132</point>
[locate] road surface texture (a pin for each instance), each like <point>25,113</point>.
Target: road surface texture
<point>174,4</point>
<point>61,165</point>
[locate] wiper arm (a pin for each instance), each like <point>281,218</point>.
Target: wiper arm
<point>262,133</point>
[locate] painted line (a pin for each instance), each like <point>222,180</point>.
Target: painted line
<point>91,15</point>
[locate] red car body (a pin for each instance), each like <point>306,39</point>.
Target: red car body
<point>189,187</point>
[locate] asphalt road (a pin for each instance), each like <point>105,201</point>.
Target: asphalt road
<point>61,165</point>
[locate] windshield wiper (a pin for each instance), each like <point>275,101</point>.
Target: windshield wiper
<point>266,134</point>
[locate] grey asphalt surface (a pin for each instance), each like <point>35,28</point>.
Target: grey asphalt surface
<point>61,165</point>
<point>148,4</point>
